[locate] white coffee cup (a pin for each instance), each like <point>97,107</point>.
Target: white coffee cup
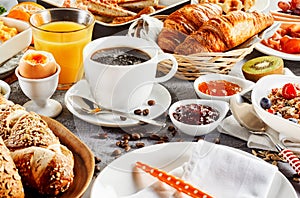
<point>124,87</point>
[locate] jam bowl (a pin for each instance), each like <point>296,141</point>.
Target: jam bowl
<point>221,87</point>
<point>198,116</point>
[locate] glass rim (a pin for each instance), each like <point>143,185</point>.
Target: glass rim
<point>62,9</point>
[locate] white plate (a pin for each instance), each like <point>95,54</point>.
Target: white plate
<point>168,156</point>
<point>159,93</point>
<point>269,51</point>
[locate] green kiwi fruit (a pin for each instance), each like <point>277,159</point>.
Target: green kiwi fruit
<point>258,67</point>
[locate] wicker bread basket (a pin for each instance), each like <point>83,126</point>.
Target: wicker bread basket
<point>191,67</point>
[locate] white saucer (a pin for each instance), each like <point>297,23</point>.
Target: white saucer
<point>159,94</point>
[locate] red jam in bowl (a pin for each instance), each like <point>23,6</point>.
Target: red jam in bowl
<point>196,114</point>
<point>219,88</point>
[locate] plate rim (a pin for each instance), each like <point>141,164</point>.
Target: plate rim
<point>269,51</point>
<point>188,151</point>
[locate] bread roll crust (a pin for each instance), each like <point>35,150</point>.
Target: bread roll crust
<point>10,185</point>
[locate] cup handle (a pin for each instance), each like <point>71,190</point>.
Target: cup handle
<point>172,72</point>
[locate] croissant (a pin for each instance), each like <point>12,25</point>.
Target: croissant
<point>10,185</point>
<point>43,163</point>
<point>183,22</point>
<point>223,33</point>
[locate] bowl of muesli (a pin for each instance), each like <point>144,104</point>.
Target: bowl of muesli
<point>276,100</point>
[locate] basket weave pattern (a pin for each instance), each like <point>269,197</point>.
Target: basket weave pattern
<point>191,67</point>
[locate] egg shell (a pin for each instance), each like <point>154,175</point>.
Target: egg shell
<point>36,69</point>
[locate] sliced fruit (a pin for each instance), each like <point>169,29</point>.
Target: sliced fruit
<point>256,68</point>
<point>289,91</point>
<point>24,10</point>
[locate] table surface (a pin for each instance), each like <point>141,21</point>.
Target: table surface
<point>103,148</point>
<point>179,89</point>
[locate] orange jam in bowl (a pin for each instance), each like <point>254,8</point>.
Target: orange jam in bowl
<point>219,88</point>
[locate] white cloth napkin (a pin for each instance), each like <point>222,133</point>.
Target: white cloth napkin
<point>219,171</point>
<point>224,172</point>
<point>231,127</point>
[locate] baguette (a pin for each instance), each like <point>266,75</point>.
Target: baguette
<point>146,10</point>
<point>11,184</point>
<point>223,33</point>
<point>108,9</point>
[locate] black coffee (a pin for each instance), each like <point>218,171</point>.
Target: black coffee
<point>120,56</point>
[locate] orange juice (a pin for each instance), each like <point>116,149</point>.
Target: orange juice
<point>65,40</point>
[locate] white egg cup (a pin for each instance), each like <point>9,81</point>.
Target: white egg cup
<point>40,92</point>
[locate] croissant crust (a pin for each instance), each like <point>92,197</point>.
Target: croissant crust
<point>223,33</point>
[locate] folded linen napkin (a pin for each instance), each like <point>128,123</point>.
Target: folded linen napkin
<point>231,127</point>
<point>219,171</point>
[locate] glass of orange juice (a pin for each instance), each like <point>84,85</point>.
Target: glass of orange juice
<point>64,32</point>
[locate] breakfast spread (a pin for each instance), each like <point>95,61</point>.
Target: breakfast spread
<point>33,156</point>
<point>284,102</point>
<point>42,162</point>
<point>256,68</point>
<point>37,64</point>
<point>6,32</point>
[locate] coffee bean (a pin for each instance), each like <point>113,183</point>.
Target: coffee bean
<point>154,137</point>
<point>159,142</point>
<point>217,141</point>
<point>116,152</point>
<point>118,143</point>
<point>126,137</point>
<point>127,148</point>
<point>145,112</point>
<point>165,138</point>
<point>97,169</point>
<point>97,160</point>
<point>171,128</point>
<point>135,136</point>
<point>137,112</point>
<point>151,102</point>
<point>140,144</point>
<point>103,135</point>
<point>123,118</point>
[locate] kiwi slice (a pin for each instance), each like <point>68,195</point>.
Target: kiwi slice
<point>258,67</point>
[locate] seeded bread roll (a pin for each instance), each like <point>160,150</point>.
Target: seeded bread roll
<point>10,185</point>
<point>43,163</point>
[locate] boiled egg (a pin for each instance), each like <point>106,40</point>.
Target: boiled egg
<point>37,64</point>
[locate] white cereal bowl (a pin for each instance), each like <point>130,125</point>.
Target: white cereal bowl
<point>262,88</point>
<point>195,130</point>
<point>245,85</point>
<point>4,89</point>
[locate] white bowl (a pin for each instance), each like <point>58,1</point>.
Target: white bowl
<point>262,88</point>
<point>4,89</point>
<point>195,130</point>
<point>245,85</point>
<point>17,43</point>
